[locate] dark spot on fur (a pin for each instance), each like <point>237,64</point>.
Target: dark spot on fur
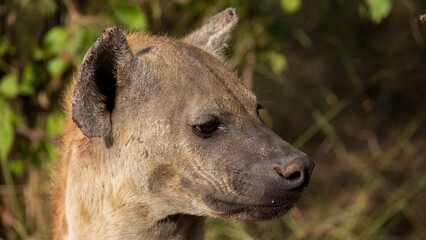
<point>159,177</point>
<point>127,143</point>
<point>144,154</point>
<point>108,141</point>
<point>184,182</point>
<point>237,183</point>
<point>143,51</point>
<point>194,175</point>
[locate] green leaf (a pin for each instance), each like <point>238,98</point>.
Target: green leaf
<point>277,61</point>
<point>4,45</point>
<point>17,167</point>
<point>6,128</point>
<point>81,41</point>
<point>54,123</point>
<point>291,6</point>
<point>28,80</point>
<point>55,40</point>
<point>6,140</point>
<point>44,150</point>
<point>57,66</point>
<point>39,53</point>
<point>9,86</point>
<point>51,151</point>
<point>131,17</point>
<point>47,7</point>
<point>379,9</point>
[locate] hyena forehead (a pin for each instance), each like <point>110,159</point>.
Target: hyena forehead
<point>181,65</point>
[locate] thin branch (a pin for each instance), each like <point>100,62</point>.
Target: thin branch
<point>72,10</point>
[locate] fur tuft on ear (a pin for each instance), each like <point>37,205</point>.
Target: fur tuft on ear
<point>213,34</point>
<point>106,64</point>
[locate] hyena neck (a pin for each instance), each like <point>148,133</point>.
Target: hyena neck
<point>178,227</point>
<point>112,210</point>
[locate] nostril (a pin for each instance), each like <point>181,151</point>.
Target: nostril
<point>294,176</point>
<point>277,169</point>
<point>289,174</point>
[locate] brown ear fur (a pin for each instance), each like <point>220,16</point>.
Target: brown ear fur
<point>213,34</point>
<point>94,92</point>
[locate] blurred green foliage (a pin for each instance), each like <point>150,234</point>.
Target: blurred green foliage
<point>342,79</point>
<point>291,6</point>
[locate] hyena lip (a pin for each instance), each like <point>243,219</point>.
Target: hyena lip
<point>252,211</point>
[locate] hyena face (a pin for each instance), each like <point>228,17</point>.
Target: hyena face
<point>173,131</point>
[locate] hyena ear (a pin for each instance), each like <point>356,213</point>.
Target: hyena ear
<point>106,65</point>
<point>213,34</point>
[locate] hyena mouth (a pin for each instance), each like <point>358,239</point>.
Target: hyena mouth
<point>253,211</point>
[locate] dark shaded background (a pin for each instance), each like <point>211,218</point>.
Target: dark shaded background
<point>343,80</point>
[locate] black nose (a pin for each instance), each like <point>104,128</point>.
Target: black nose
<point>296,174</point>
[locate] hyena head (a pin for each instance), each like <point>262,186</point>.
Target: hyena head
<point>177,129</point>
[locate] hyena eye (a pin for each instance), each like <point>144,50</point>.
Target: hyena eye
<point>206,129</point>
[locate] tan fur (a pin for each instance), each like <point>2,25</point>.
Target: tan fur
<point>136,167</point>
